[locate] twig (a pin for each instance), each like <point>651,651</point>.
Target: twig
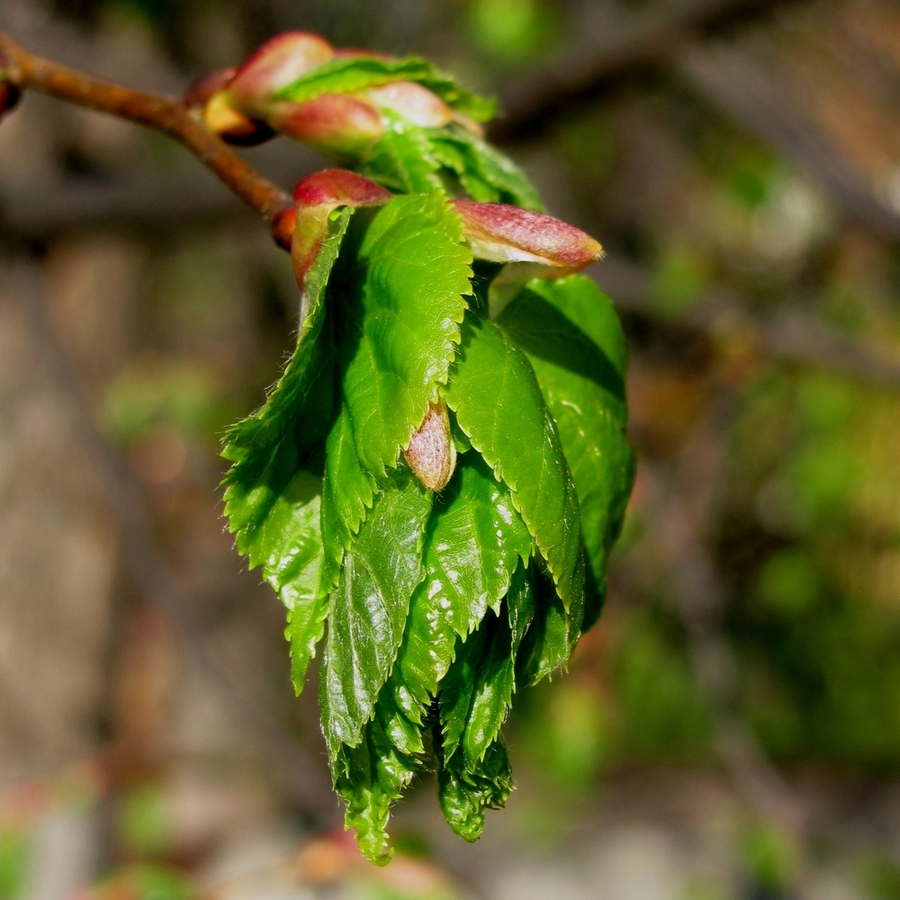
<point>168,116</point>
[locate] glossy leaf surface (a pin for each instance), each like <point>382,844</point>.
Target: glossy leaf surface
<point>500,408</point>
<point>399,302</point>
<point>574,342</point>
<point>271,497</point>
<point>369,606</point>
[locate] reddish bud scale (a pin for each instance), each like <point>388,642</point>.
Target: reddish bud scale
<point>343,125</point>
<point>415,103</point>
<point>431,453</point>
<point>276,64</point>
<point>548,247</point>
<point>316,196</point>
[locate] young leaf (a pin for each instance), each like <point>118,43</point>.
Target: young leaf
<point>574,342</point>
<point>295,575</point>
<point>483,171</point>
<point>369,778</point>
<point>347,74</point>
<point>369,607</point>
<point>521,605</point>
<point>474,542</point>
<point>270,446</point>
<point>348,492</point>
<point>271,498</point>
<point>477,690</point>
<point>499,407</point>
<point>401,159</point>
<point>400,300</point>
<point>554,632</point>
<point>464,794</point>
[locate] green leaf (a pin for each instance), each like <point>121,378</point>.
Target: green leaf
<point>341,76</point>
<point>400,720</point>
<point>348,492</point>
<point>400,300</point>
<point>554,632</point>
<point>295,575</point>
<point>477,691</point>
<point>574,341</point>
<point>465,794</point>
<point>488,175</point>
<point>402,159</point>
<point>474,542</point>
<point>369,778</point>
<point>369,607</point>
<point>500,408</point>
<point>521,605</point>
<point>271,497</point>
<point>271,445</point>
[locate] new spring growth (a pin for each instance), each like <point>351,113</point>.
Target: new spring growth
<point>245,105</point>
<point>529,244</point>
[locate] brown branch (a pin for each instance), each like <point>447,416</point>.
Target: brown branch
<point>166,115</point>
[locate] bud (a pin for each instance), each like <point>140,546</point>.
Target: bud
<point>532,244</point>
<point>431,453</point>
<point>221,117</point>
<point>415,103</point>
<point>343,126</point>
<point>208,98</point>
<point>276,64</point>
<point>316,196</point>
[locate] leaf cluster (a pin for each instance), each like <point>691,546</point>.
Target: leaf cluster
<point>433,609</point>
<point>414,158</point>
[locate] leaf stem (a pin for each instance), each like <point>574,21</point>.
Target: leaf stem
<point>171,117</point>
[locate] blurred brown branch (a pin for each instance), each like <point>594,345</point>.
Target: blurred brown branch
<point>171,117</point>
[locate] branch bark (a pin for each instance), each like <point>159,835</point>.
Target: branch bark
<point>171,117</point>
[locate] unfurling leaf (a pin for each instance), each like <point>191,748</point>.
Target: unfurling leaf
<point>432,491</point>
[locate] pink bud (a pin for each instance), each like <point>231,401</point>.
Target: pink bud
<point>343,126</point>
<point>431,453</point>
<point>414,102</point>
<point>316,196</point>
<point>276,64</point>
<point>209,98</point>
<point>532,244</point>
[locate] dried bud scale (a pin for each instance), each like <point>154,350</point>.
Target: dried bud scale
<point>431,453</point>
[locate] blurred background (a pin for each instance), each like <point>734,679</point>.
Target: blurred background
<point>731,729</point>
